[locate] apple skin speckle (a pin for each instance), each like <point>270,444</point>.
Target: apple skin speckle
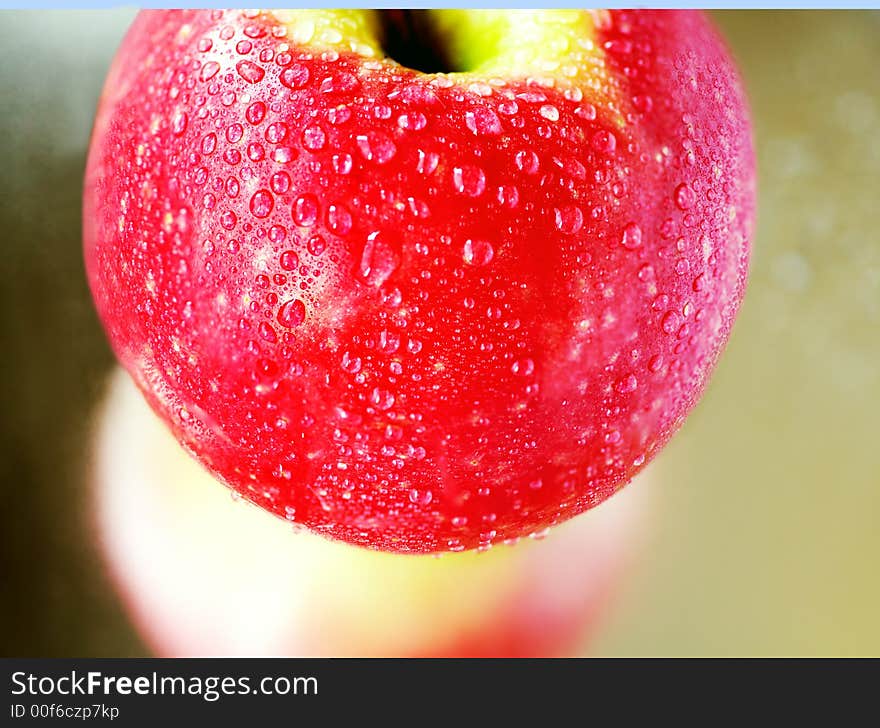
<point>419,312</point>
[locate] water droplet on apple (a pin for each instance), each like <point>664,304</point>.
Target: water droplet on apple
<point>420,94</point>
<point>267,333</point>
<point>632,236</point>
<point>228,220</point>
<point>569,219</point>
<point>276,132</point>
<point>267,368</point>
<point>382,398</point>
<point>428,162</point>
<point>508,107</point>
<point>571,167</point>
<point>351,364</point>
<point>342,83</point>
<point>338,115</point>
<point>234,132</point>
<point>389,342</point>
<point>523,367</point>
<point>508,195</point>
<point>469,179</point>
<point>532,96</point>
<point>305,210</point>
<point>280,183</point>
<point>250,71</point>
<point>295,76</point>
<point>392,298</point>
<point>292,313</point>
<point>178,126</point>
<point>643,103</point>
<point>483,121</point>
<point>262,203</point>
<point>256,112</point>
<point>478,252</point>
<point>587,112</point>
<point>376,146</point>
<point>377,262</point>
<point>342,163</point>
<point>277,234</point>
<point>418,208</point>
<point>670,322</point>
<point>289,260</point>
<point>314,138</point>
<point>209,143</point>
<point>412,121</point>
<point>209,70</point>
<point>604,141</point>
<point>382,111</point>
<point>526,161</point>
<point>316,245</point>
<point>549,112</point>
<point>612,437</point>
<point>283,155</point>
<point>421,497</point>
<point>339,219</point>
<point>684,197</point>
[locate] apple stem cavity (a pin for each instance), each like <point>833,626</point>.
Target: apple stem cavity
<point>501,43</point>
<point>411,38</point>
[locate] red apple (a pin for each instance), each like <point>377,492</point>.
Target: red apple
<point>420,311</point>
<point>237,581</point>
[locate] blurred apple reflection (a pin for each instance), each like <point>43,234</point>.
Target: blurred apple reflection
<point>203,574</point>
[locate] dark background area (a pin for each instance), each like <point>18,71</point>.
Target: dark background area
<point>55,599</point>
<point>767,538</point>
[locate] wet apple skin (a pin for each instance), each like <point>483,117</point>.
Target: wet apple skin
<point>414,316</point>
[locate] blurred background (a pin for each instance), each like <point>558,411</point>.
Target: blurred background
<point>765,533</point>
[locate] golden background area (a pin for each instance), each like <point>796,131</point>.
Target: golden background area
<point>765,534</point>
